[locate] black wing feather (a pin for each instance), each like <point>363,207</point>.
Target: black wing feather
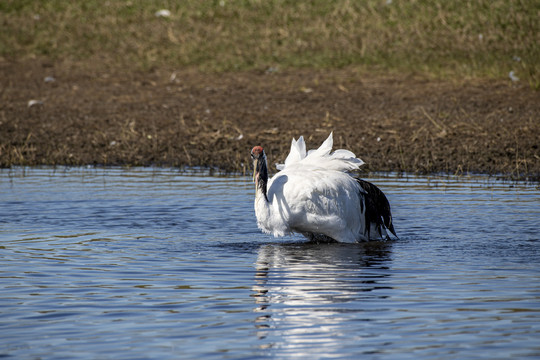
<point>377,208</point>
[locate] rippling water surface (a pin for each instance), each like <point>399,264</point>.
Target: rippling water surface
<point>156,264</point>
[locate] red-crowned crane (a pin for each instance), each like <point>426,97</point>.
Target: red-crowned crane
<point>316,194</point>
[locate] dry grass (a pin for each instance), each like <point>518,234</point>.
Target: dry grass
<point>450,39</point>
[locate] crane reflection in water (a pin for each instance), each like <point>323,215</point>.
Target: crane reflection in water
<point>308,293</point>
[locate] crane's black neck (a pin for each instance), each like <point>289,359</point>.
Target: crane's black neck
<point>262,175</point>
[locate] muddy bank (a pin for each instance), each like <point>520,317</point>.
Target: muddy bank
<point>89,115</point>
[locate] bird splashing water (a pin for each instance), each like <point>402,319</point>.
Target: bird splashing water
<point>316,194</point>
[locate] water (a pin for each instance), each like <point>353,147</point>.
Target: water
<point>155,264</point>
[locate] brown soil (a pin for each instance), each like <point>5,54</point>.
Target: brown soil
<point>90,115</point>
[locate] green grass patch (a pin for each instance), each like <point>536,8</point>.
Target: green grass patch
<point>437,38</point>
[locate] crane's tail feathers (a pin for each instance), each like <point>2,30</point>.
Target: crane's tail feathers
<point>297,153</point>
<point>340,160</point>
<point>377,211</point>
<point>324,149</point>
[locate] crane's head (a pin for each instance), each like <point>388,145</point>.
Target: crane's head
<point>257,151</point>
<point>260,171</point>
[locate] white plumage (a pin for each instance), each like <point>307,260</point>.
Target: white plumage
<point>316,194</point>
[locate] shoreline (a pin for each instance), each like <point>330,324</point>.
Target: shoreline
<point>177,118</point>
<point>22,170</point>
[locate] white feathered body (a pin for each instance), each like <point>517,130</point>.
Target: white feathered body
<point>314,194</point>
